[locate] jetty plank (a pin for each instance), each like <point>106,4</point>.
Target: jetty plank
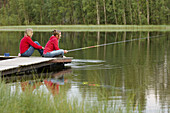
<point>9,57</point>
<point>18,64</point>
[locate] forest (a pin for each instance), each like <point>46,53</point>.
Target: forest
<point>84,12</point>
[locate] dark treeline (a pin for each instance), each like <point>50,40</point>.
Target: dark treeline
<point>85,12</point>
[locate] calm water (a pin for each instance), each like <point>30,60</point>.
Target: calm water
<point>134,71</point>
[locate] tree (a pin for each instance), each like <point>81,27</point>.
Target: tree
<point>104,8</point>
<point>147,4</point>
<point>139,13</point>
<point>97,10</point>
<point>114,8</point>
<point>54,12</point>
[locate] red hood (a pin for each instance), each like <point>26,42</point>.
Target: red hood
<point>52,37</point>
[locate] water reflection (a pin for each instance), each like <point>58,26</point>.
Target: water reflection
<point>134,73</point>
<point>82,64</point>
<point>44,85</point>
<point>50,85</point>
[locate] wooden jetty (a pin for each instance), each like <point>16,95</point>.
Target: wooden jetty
<point>39,76</point>
<point>14,64</point>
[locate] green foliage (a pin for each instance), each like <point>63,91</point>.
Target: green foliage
<point>16,98</point>
<point>73,12</point>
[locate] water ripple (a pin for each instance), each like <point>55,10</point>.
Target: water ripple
<point>81,64</point>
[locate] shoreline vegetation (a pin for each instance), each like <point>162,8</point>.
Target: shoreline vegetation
<point>84,12</point>
<point>37,100</point>
<point>93,28</point>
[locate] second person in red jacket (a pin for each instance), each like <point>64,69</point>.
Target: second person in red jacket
<point>27,46</point>
<point>52,47</point>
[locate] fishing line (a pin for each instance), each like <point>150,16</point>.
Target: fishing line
<point>112,43</point>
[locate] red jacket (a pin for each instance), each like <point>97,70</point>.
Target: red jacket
<point>51,45</point>
<point>26,42</point>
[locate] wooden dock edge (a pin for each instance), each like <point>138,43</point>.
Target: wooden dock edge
<point>62,60</point>
<point>22,68</point>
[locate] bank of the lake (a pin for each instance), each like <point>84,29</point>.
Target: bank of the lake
<point>34,99</point>
<point>92,28</point>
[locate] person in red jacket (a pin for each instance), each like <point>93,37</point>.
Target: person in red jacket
<point>52,47</point>
<point>27,46</point>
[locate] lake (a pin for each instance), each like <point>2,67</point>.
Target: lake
<point>132,69</point>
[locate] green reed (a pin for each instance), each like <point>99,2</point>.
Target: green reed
<point>28,101</point>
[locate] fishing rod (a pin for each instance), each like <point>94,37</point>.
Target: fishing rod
<point>112,43</point>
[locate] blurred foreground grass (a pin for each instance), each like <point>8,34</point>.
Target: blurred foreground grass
<point>14,100</point>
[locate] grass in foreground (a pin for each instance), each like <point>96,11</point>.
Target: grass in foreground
<point>30,101</point>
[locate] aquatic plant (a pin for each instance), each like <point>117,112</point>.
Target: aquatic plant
<point>25,97</point>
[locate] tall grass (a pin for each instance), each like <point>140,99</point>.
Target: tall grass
<point>28,101</point>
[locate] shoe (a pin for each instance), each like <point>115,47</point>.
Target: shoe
<point>64,56</point>
<point>19,54</point>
